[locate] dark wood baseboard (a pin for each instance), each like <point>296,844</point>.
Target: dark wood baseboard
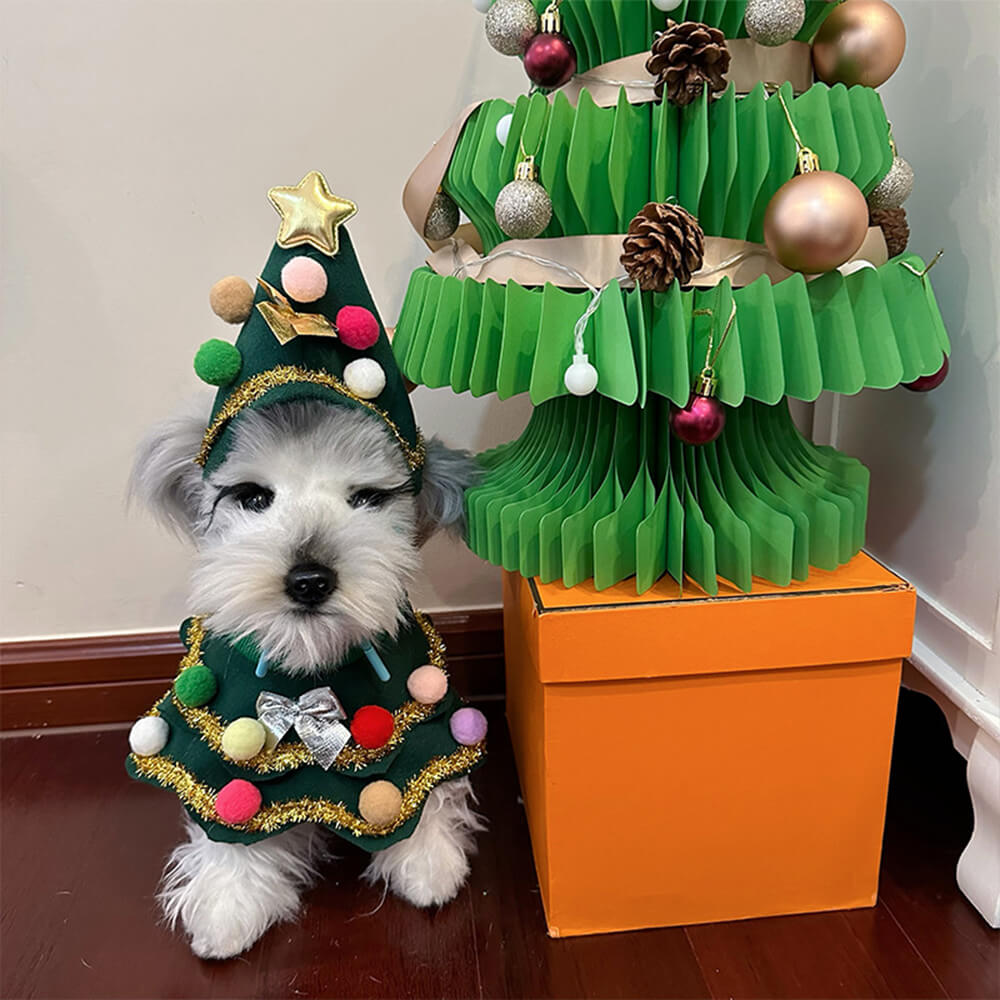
<point>115,678</point>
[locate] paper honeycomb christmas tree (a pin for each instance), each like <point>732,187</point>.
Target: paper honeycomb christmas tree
<point>674,242</point>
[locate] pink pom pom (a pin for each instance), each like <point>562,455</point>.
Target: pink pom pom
<point>237,802</point>
<point>468,726</point>
<point>357,327</point>
<point>304,279</point>
<point>427,684</point>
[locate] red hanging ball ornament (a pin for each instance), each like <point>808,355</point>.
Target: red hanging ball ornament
<point>704,417</point>
<point>550,59</point>
<point>927,382</point>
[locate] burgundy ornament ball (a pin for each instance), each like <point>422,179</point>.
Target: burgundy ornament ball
<point>550,60</point>
<point>927,382</point>
<point>700,422</point>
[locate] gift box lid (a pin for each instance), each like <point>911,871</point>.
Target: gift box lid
<point>859,613</point>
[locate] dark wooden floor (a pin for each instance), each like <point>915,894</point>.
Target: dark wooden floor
<point>82,847</point>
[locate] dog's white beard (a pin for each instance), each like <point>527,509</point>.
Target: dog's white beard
<point>238,584</point>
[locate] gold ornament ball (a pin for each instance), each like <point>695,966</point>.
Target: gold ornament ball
<point>231,299</point>
<point>774,22</point>
<point>442,219</point>
<point>894,188</point>
<point>380,802</point>
<point>523,209</point>
<point>243,738</point>
<point>510,25</point>
<point>860,43</point>
<point>815,222</point>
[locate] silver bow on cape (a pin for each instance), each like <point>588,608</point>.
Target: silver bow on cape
<point>315,717</point>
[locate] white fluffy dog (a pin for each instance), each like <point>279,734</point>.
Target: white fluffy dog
<point>307,538</point>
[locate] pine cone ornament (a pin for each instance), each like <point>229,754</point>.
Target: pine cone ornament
<point>663,242</point>
<point>685,58</point>
<point>894,227</point>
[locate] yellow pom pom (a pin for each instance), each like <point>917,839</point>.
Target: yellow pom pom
<point>380,802</point>
<point>243,739</point>
<point>231,299</point>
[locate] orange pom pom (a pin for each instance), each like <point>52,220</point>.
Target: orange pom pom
<point>231,299</point>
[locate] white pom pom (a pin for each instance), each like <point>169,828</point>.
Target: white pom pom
<point>666,4</point>
<point>581,376</point>
<point>365,377</point>
<point>503,128</point>
<point>148,736</point>
<point>482,5</point>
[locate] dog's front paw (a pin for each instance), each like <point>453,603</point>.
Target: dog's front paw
<point>227,895</point>
<point>431,865</point>
<point>216,933</point>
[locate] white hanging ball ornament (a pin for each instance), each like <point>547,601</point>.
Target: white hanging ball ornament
<point>774,22</point>
<point>581,376</point>
<point>482,5</point>
<point>510,26</point>
<point>503,128</point>
<point>148,735</point>
<point>894,188</point>
<point>365,378</point>
<point>666,4</point>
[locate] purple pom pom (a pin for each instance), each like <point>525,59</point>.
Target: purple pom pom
<point>468,726</point>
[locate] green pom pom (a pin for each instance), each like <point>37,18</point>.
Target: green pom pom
<point>195,685</point>
<point>217,362</point>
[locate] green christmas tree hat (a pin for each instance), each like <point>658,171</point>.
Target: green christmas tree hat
<point>310,330</point>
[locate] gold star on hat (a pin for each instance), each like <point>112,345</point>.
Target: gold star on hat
<point>310,213</point>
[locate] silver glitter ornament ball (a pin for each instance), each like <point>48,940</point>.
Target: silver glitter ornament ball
<point>523,209</point>
<point>774,22</point>
<point>510,25</point>
<point>442,219</point>
<point>894,188</point>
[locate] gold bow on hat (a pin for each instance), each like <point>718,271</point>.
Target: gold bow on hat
<point>286,323</point>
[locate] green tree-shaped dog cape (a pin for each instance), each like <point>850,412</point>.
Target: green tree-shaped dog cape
<point>393,738</point>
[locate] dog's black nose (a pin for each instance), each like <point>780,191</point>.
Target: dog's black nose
<point>310,583</point>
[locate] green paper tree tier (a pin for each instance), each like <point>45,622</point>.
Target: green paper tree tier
<point>873,329</point>
<point>598,486</point>
<point>596,489</point>
<point>602,31</point>
<point>723,160</point>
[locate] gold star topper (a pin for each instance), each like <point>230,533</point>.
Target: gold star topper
<point>310,213</point>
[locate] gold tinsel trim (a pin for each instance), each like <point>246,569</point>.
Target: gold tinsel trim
<point>201,799</point>
<point>257,385</point>
<point>289,756</point>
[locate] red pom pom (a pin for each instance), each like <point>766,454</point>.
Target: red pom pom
<point>237,802</point>
<point>372,726</point>
<point>357,327</point>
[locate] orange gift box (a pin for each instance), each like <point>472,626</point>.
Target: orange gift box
<point>686,759</point>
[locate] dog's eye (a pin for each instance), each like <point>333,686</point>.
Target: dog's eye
<point>368,497</point>
<point>252,496</point>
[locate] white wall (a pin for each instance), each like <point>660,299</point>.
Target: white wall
<point>139,140</point>
<point>935,458</point>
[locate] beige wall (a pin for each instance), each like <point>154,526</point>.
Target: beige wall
<point>139,139</point>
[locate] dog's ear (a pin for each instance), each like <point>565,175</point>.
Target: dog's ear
<point>448,473</point>
<point>165,477</point>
